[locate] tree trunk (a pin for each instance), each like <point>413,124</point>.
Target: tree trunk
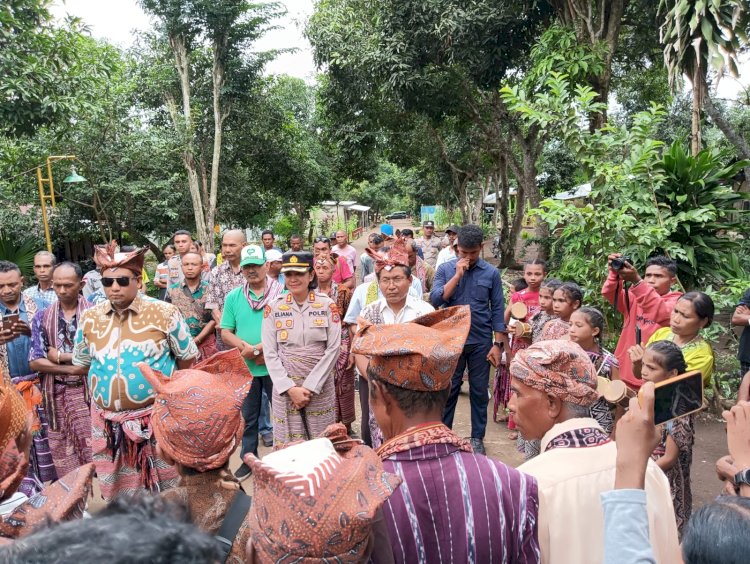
<point>507,245</point>
<point>726,128</point>
<point>695,122</point>
<point>186,128</point>
<point>218,84</point>
<point>460,184</point>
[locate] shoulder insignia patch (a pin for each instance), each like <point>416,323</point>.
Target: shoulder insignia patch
<point>266,311</point>
<point>311,297</point>
<point>289,298</point>
<point>335,316</point>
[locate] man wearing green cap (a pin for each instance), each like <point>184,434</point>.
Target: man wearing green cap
<point>241,324</point>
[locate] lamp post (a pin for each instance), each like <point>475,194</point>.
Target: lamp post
<point>73,177</point>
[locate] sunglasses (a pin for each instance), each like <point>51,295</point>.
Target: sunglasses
<point>122,281</point>
<point>322,240</point>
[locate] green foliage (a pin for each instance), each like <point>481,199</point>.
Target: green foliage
<point>649,200</point>
<point>20,252</point>
<point>45,75</point>
<point>699,209</point>
<point>702,33</point>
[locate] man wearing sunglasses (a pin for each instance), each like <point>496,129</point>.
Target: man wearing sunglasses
<point>112,338</point>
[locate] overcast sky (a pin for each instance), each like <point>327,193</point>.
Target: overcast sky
<point>116,20</point>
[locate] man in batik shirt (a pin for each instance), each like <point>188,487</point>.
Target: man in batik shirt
<point>190,298</point>
<point>225,277</point>
<point>112,338</point>
<point>475,509</point>
<point>17,311</point>
<point>64,389</point>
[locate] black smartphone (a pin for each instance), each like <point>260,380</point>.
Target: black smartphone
<point>678,397</point>
<point>638,335</point>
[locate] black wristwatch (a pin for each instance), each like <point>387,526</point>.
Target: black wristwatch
<point>498,344</point>
<point>742,477</point>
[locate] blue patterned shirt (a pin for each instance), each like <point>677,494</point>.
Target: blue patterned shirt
<point>110,344</point>
<point>48,296</point>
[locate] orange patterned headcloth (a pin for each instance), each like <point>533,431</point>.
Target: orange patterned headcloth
<point>420,355</point>
<point>561,368</point>
<point>196,415</point>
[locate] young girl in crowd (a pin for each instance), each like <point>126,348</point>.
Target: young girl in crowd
<point>566,299</point>
<point>674,454</point>
<point>545,312</point>
<point>534,272</point>
<point>587,329</point>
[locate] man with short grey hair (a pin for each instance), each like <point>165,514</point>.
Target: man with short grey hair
<point>44,264</point>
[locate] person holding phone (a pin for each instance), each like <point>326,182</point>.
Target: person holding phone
<point>741,318</point>
<point>553,385</point>
<point>663,360</point>
<point>15,343</point>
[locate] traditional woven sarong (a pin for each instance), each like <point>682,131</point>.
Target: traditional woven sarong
<point>320,412</point>
<point>67,406</point>
<point>344,384</point>
<point>501,393</point>
<point>124,454</point>
<point>41,467</point>
<point>343,377</point>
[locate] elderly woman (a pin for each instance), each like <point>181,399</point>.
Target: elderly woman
<point>342,274</point>
<point>344,375</point>
<point>301,344</point>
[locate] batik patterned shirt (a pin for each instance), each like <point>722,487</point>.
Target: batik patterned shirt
<point>110,344</point>
<point>47,296</point>
<point>192,305</point>
<point>222,281</point>
<point>41,341</point>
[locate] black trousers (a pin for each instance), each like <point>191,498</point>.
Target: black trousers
<point>251,412</point>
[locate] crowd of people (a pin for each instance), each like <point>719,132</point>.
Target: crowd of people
<point>153,395</point>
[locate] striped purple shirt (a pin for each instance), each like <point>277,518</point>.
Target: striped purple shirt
<point>454,506</point>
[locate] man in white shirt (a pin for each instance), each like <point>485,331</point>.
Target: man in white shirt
<point>449,252</point>
<point>397,305</point>
<point>553,384</point>
<point>344,249</point>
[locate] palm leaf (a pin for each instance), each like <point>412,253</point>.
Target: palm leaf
<point>20,253</point>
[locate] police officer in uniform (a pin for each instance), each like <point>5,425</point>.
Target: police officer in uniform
<point>429,243</point>
<point>301,338</point>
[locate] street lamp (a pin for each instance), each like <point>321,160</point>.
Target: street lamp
<point>73,177</point>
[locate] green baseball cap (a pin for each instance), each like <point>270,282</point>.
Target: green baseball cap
<point>252,254</point>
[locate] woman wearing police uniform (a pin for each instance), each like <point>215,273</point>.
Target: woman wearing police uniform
<point>301,339</point>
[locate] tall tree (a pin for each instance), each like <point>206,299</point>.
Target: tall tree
<point>210,44</point>
<point>44,78</point>
<point>699,34</point>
